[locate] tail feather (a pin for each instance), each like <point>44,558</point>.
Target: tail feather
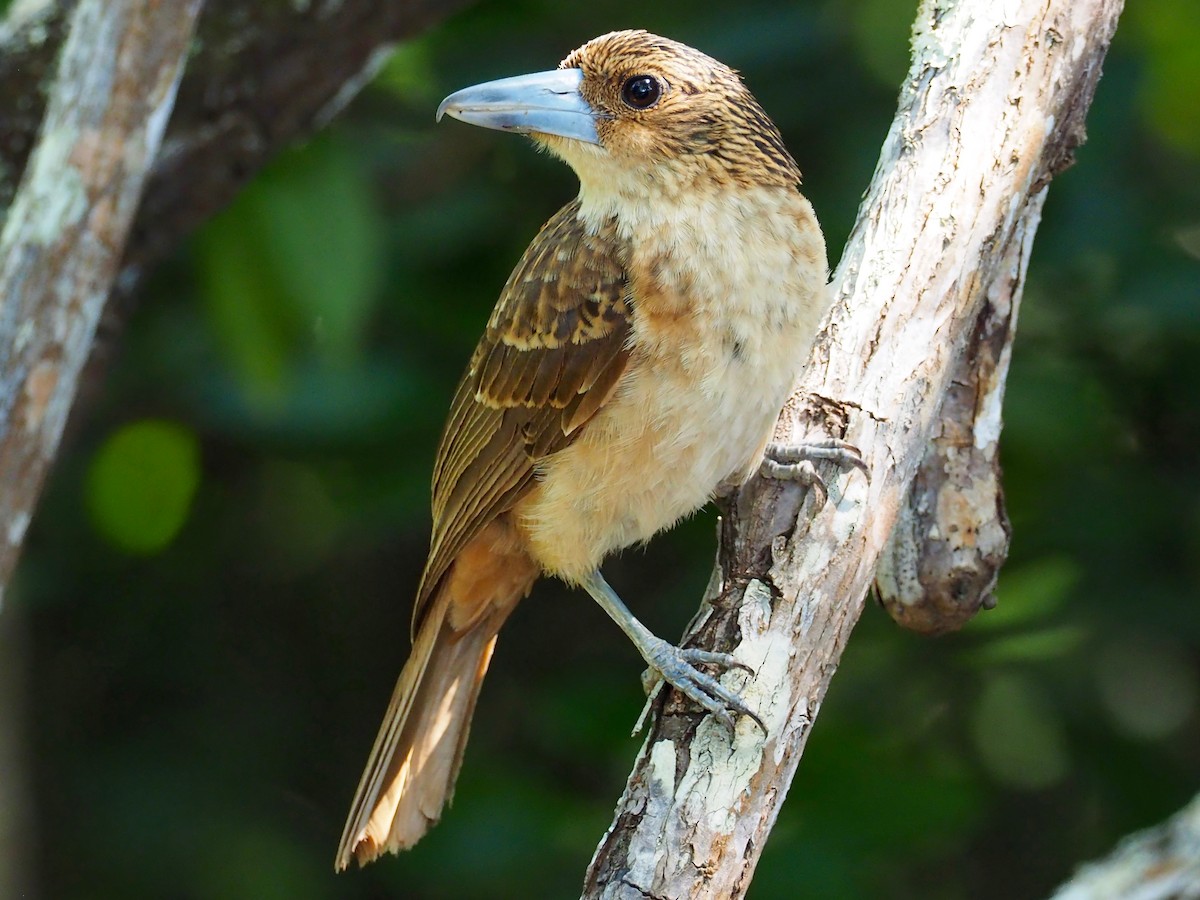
<point>410,774</point>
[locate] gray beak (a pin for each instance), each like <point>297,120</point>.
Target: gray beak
<point>545,103</point>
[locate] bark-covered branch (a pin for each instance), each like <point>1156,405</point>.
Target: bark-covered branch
<point>260,75</point>
<point>951,537</point>
<point>62,241</point>
<point>116,81</point>
<point>1160,863</point>
<point>993,108</point>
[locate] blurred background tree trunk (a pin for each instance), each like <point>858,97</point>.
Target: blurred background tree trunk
<point>63,234</point>
<point>86,89</point>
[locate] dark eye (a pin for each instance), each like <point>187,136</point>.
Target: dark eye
<point>641,91</point>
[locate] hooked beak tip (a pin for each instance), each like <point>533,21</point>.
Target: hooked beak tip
<point>540,103</point>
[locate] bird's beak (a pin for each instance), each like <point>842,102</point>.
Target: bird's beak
<point>545,103</point>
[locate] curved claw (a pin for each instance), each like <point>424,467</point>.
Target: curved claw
<point>844,454</point>
<point>794,462</point>
<point>678,668</point>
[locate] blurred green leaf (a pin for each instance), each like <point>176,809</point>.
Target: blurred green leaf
<point>881,33</point>
<point>320,233</point>
<point>408,72</point>
<point>292,269</point>
<point>1035,646</point>
<point>1150,687</point>
<point>1018,737</point>
<point>1170,31</point>
<point>242,302</point>
<point>141,484</point>
<point>1029,593</point>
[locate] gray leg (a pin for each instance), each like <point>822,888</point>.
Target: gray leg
<point>677,665</point>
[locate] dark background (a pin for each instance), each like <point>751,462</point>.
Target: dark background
<point>214,597</point>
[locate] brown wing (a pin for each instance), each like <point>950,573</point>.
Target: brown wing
<point>552,354</point>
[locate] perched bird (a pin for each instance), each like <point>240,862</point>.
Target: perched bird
<point>634,365</point>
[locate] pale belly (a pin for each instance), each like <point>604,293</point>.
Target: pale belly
<point>673,432</point>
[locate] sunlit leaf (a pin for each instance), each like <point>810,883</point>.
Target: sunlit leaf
<point>141,484</point>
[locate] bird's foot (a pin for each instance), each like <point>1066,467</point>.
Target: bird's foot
<point>794,462</point>
<point>678,667</point>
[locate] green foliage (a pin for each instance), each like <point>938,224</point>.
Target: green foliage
<point>1018,735</point>
<point>212,646</point>
<point>141,484</point>
<point>1169,31</point>
<point>880,31</point>
<point>1031,593</point>
<point>292,269</point>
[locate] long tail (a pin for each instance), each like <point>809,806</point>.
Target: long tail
<point>411,771</point>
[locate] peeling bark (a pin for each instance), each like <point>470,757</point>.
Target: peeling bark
<point>1160,863</point>
<point>993,107</point>
<point>62,240</point>
<point>941,561</point>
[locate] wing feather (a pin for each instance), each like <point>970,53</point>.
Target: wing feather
<point>546,379</point>
<point>552,355</point>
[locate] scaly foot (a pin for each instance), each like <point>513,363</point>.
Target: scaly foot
<point>794,462</point>
<point>678,666</point>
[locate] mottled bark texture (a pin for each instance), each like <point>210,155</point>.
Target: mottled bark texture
<point>941,561</point>
<point>1160,863</point>
<point>993,108</point>
<point>260,75</point>
<point>60,249</point>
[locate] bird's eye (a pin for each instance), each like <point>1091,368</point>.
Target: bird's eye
<point>641,91</point>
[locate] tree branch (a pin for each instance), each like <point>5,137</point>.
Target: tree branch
<point>261,75</point>
<point>1160,863</point>
<point>990,112</point>
<point>61,245</point>
<point>941,560</point>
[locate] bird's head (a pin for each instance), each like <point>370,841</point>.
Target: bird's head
<point>636,108</point>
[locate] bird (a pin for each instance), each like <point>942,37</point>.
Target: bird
<point>633,367</point>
